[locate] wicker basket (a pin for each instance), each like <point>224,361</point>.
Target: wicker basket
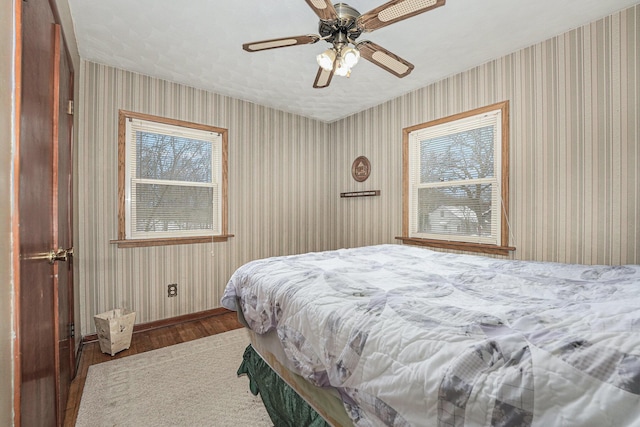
<point>114,329</point>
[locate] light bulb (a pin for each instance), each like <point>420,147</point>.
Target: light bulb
<point>342,69</point>
<point>326,58</point>
<point>350,56</point>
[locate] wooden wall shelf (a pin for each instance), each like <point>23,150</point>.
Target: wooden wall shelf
<point>360,193</point>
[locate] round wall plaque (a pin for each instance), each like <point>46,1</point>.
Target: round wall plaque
<point>360,169</point>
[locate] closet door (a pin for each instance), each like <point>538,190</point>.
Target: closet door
<point>62,222</point>
<point>44,211</point>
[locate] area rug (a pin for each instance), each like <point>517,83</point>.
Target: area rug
<point>188,384</point>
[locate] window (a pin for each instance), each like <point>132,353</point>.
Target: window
<point>456,181</point>
<point>172,181</point>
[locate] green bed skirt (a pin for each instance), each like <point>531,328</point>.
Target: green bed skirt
<point>285,407</point>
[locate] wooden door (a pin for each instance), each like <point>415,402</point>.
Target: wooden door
<point>46,352</point>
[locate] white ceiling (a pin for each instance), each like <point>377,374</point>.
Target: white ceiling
<point>199,43</point>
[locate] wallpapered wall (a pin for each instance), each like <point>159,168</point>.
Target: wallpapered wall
<point>575,161</point>
<point>281,199</point>
<point>575,156</point>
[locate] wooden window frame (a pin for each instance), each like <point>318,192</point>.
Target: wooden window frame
<point>122,241</point>
<point>503,247</point>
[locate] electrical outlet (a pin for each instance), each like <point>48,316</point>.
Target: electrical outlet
<point>172,290</point>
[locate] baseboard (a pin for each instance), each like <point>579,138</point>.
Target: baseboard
<point>167,322</point>
<point>78,356</point>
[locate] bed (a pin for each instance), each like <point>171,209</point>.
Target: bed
<point>406,336</point>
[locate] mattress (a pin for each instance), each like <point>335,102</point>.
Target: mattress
<point>407,336</point>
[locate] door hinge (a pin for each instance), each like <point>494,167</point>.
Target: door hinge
<point>70,107</point>
<point>72,330</point>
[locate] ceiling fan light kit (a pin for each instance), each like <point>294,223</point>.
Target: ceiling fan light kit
<point>340,63</point>
<point>340,25</point>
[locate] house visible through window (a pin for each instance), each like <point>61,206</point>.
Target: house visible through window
<point>456,180</point>
<point>173,179</point>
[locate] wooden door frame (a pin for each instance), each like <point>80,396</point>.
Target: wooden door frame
<point>15,216</point>
<point>61,120</point>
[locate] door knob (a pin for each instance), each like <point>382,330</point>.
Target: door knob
<point>52,256</point>
<point>60,255</point>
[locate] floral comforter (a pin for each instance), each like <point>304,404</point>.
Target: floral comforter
<point>413,337</point>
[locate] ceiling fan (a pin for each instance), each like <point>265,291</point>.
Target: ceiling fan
<point>341,25</point>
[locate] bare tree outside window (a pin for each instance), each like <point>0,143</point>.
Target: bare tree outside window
<point>456,158</point>
<point>173,158</point>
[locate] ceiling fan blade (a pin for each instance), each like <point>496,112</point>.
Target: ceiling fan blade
<point>282,42</point>
<point>324,9</point>
<point>394,11</point>
<point>323,78</point>
<point>384,59</point>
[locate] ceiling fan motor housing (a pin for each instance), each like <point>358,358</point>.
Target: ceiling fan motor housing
<point>342,29</point>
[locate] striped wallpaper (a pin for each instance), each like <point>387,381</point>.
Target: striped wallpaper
<point>575,169</point>
<point>281,199</point>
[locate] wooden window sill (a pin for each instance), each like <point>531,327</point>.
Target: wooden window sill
<point>141,243</point>
<point>459,246</point>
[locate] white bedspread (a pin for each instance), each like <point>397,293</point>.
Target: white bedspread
<point>413,337</point>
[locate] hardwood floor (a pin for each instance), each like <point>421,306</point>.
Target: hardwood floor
<point>141,342</point>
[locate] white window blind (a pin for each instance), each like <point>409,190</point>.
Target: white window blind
<point>173,176</point>
<point>454,180</point>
